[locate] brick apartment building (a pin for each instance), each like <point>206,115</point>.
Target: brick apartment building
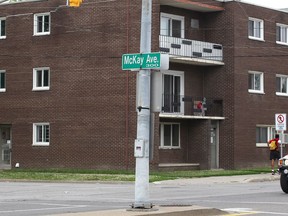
<point>65,101</point>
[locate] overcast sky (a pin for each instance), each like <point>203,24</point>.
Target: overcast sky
<point>278,4</point>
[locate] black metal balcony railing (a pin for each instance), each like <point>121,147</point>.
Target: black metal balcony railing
<point>190,48</point>
<point>171,103</point>
<point>200,106</point>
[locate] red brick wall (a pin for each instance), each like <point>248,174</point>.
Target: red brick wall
<point>91,102</point>
<point>92,116</point>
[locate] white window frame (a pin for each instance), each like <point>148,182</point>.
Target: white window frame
<point>1,88</point>
<point>36,24</point>
<point>271,131</point>
<point>171,17</point>
<point>256,31</point>
<point>35,80</point>
<point>181,75</point>
<point>281,82</point>
<point>2,19</point>
<point>283,34</point>
<point>162,136</point>
<point>261,90</point>
<point>35,130</point>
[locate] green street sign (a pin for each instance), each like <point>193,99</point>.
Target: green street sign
<point>139,61</point>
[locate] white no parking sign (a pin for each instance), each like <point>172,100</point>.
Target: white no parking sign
<point>280,122</point>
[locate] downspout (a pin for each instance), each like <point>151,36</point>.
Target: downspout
<point>127,87</point>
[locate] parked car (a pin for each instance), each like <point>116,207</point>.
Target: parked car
<point>283,168</point>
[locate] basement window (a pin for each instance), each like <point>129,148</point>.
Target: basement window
<point>41,134</point>
<point>170,135</point>
<point>2,81</point>
<point>264,133</point>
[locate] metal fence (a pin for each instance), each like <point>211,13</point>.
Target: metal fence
<point>188,105</point>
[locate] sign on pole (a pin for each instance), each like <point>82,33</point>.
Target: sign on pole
<point>139,61</point>
<point>280,122</point>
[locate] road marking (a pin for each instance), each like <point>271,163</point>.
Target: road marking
<point>239,211</point>
<point>271,213</point>
<point>57,207</point>
<point>243,213</point>
<point>248,211</point>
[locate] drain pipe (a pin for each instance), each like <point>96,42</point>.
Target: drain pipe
<point>127,88</point>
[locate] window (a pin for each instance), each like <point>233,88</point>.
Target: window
<point>170,135</point>
<point>256,29</point>
<point>281,85</point>
<point>2,81</point>
<point>256,83</point>
<point>41,134</point>
<point>42,24</point>
<point>2,28</point>
<point>281,33</point>
<point>173,90</point>
<point>172,25</point>
<point>41,79</point>
<point>264,134</point>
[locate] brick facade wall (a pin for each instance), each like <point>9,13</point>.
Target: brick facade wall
<point>91,102</point>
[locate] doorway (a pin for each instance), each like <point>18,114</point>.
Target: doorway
<point>214,144</point>
<point>5,146</point>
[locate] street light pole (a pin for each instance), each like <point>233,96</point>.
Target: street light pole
<point>142,199</point>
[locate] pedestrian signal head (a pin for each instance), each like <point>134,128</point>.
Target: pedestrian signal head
<point>74,3</point>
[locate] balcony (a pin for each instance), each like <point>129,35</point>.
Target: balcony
<point>194,6</point>
<point>194,52</point>
<point>194,106</point>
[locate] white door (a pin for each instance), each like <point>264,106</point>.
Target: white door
<point>214,145</point>
<point>5,147</point>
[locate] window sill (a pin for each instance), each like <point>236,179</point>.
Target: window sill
<point>41,89</point>
<point>2,90</point>
<point>282,94</point>
<point>265,145</point>
<point>261,145</point>
<point>3,37</point>
<point>257,39</point>
<point>255,92</point>
<point>40,144</point>
<point>169,148</point>
<point>41,34</point>
<point>282,43</point>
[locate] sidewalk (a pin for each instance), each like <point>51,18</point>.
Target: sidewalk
<point>223,179</point>
<point>184,210</point>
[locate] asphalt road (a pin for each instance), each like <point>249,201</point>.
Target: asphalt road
<point>34,198</point>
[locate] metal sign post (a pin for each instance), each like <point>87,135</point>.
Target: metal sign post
<point>143,118</point>
<point>280,125</point>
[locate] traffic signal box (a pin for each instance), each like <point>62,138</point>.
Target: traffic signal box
<point>74,3</point>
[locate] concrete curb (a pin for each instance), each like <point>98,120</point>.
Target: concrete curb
<point>156,211</point>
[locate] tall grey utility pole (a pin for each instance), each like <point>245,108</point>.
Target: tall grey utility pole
<point>142,199</point>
